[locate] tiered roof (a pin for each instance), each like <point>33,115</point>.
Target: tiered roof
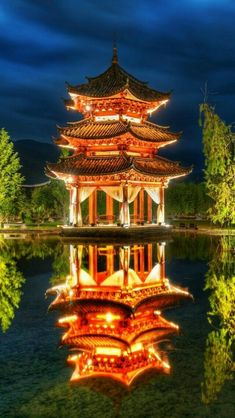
<point>105,165</point>
<point>90,129</point>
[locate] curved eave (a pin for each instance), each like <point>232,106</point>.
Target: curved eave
<point>116,80</point>
<point>117,165</point>
<point>125,89</point>
<point>163,300</point>
<point>90,341</point>
<point>89,305</point>
<point>147,131</point>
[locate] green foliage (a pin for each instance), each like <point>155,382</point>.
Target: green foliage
<point>218,147</point>
<point>219,362</point>
<point>11,197</point>
<point>49,201</point>
<point>60,265</point>
<point>219,365</point>
<point>11,281</point>
<point>186,199</point>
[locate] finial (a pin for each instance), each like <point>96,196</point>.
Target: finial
<point>115,54</point>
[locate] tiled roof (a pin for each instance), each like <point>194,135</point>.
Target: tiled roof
<point>83,165</point>
<point>114,80</point>
<point>89,129</point>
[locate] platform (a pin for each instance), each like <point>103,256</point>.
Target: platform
<point>116,232</point>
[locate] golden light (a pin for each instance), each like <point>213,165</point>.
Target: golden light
<point>109,317</point>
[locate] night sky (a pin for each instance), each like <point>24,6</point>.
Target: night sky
<point>176,45</point>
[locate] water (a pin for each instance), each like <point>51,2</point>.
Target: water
<point>34,372</point>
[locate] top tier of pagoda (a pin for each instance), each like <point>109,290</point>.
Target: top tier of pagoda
<point>115,94</point>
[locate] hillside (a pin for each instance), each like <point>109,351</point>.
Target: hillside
<point>33,156</point>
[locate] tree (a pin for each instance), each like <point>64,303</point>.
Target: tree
<point>50,201</point>
<point>11,281</point>
<point>218,147</point>
<point>219,364</point>
<point>10,178</point>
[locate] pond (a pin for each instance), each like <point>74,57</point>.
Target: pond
<point>144,329</point>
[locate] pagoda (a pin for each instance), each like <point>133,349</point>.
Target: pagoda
<point>114,149</point>
<point>111,305</point>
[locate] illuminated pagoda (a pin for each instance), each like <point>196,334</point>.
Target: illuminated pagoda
<point>113,316</point>
<point>114,149</point>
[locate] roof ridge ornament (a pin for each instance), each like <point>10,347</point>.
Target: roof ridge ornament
<point>115,54</point>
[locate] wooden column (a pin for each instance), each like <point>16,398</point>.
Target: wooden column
<point>109,208</point>
<point>110,260</point>
<point>162,263</point>
<point>136,258</point>
<point>136,209</point>
<point>71,205</point>
<point>142,263</point>
<point>141,205</point>
<point>125,207</point>
<point>93,208</point>
<point>150,257</point>
<point>150,212</point>
<point>161,208</point>
<point>78,208</point>
<point>93,261</point>
<point>126,260</point>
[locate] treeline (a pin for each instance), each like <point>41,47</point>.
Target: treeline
<point>186,199</point>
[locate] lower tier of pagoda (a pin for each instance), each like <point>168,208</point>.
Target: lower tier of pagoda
<point>100,299</point>
<point>115,364</point>
<point>122,167</point>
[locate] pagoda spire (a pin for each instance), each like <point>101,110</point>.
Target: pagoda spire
<point>115,54</point>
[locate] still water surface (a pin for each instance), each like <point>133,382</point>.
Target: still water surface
<point>180,366</point>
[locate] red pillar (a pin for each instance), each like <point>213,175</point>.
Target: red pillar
<point>141,205</point>
<point>142,263</point>
<point>92,208</point>
<point>150,212</point>
<point>109,208</point>
<point>150,257</point>
<point>136,209</point>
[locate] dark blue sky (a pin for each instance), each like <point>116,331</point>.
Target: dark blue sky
<point>173,44</point>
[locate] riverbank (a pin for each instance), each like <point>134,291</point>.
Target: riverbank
<point>114,232</point>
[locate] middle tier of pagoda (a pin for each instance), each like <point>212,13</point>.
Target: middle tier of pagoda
<point>112,314</point>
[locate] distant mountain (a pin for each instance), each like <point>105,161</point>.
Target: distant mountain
<point>33,156</point>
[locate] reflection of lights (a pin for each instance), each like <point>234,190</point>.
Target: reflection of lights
<point>157,312</point>
<point>136,347</point>
<point>88,107</point>
<point>70,318</point>
<point>73,358</point>
<point>109,317</point>
<point>166,365</point>
<point>110,351</point>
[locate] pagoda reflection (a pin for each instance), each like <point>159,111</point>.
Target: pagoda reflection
<point>111,304</point>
